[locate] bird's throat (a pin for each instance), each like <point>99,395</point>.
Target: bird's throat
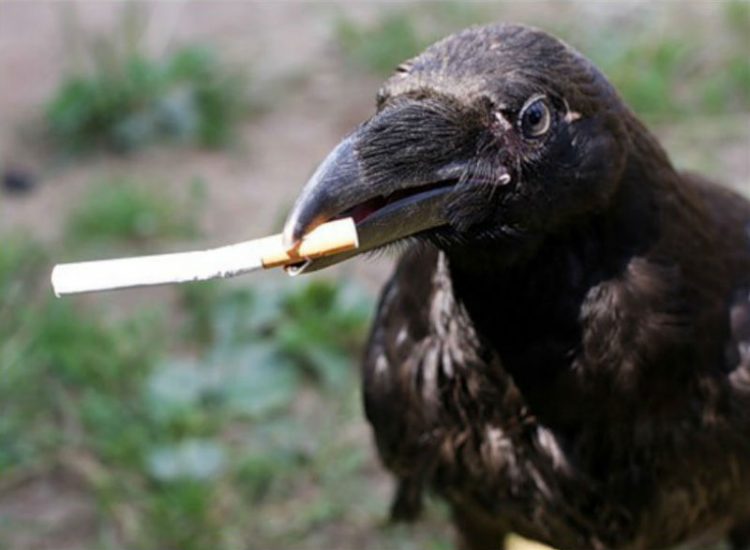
<point>528,310</point>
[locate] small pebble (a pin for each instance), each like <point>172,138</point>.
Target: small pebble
<point>18,181</point>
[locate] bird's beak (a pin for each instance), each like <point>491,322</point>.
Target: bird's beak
<point>384,211</point>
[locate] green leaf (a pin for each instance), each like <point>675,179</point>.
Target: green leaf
<point>177,385</point>
<point>192,459</point>
<point>257,381</point>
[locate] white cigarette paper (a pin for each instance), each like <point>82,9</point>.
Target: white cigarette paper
<point>226,261</point>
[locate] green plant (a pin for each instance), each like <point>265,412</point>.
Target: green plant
<point>661,76</point>
<point>169,439</point>
<point>737,18</point>
<point>381,47</point>
<point>122,209</point>
<point>129,100</point>
<point>70,379</point>
<point>313,329</point>
<point>20,261</point>
<point>183,515</point>
<point>400,33</point>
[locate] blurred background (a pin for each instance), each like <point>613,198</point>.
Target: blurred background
<point>227,415</point>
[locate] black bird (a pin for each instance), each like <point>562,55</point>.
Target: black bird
<point>564,348</point>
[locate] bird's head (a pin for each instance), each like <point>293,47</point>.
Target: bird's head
<point>497,134</point>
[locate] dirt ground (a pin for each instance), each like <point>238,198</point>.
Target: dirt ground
<point>289,51</point>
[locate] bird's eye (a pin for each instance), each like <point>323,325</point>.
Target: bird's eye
<point>535,119</point>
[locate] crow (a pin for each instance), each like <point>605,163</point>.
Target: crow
<point>563,351</point>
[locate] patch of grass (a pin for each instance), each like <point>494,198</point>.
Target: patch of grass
<point>381,47</point>
<point>20,260</point>
<point>315,328</point>
<point>68,380</point>
<point>128,100</point>
<point>646,73</point>
<point>246,382</point>
<point>125,210</point>
<point>175,449</point>
<point>662,76</point>
<point>737,17</point>
<point>401,33</point>
<point>321,328</point>
<point>183,515</point>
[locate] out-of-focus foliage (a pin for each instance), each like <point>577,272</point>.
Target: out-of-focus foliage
<point>19,260</point>
<point>165,437</point>
<point>660,74</point>
<point>56,363</point>
<point>128,100</point>
<point>400,33</point>
<point>382,47</point>
<point>317,328</point>
<point>128,210</point>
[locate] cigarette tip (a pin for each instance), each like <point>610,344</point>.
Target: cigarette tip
<point>53,281</point>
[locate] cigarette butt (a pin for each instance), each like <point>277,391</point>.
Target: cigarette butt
<point>226,261</point>
<point>325,240</point>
